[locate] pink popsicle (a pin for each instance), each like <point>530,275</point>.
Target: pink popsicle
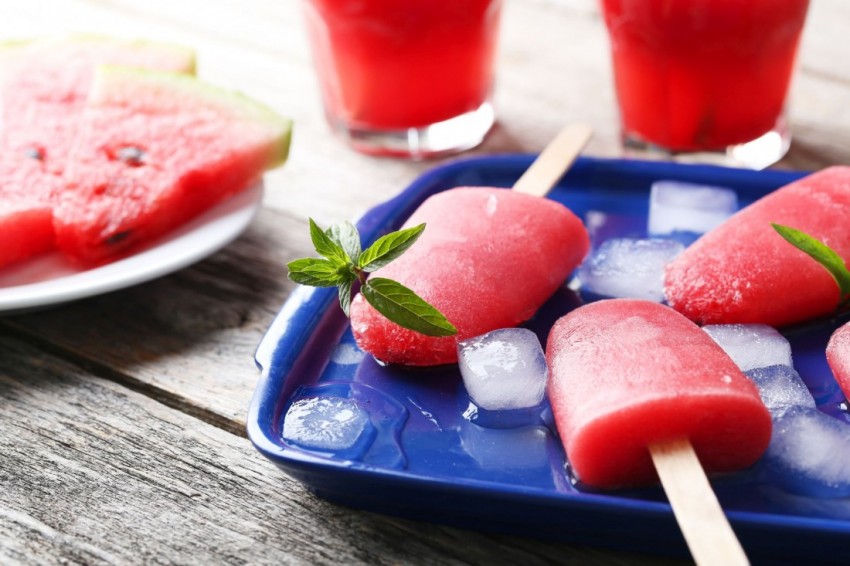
<point>628,374</point>
<point>838,357</point>
<point>743,271</point>
<point>488,259</point>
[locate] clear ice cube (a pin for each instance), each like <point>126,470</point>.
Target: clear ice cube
<point>752,345</point>
<point>602,226</point>
<point>504,369</point>
<point>780,388</point>
<point>809,454</point>
<point>629,267</point>
<point>325,423</point>
<point>688,209</point>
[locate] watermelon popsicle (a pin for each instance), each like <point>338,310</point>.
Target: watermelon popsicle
<point>838,357</point>
<point>488,259</point>
<point>636,387</point>
<point>743,271</point>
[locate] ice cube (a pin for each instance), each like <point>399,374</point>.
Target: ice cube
<point>602,226</point>
<point>809,454</point>
<point>780,388</point>
<point>687,210</point>
<point>325,423</point>
<point>629,267</point>
<point>504,369</point>
<point>752,345</point>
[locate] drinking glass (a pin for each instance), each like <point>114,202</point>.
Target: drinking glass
<point>703,79</point>
<point>408,78</point>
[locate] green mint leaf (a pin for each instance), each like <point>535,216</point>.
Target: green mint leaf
<point>404,307</point>
<point>325,246</point>
<point>347,236</point>
<point>389,247</point>
<point>314,272</point>
<point>345,296</point>
<point>345,263</point>
<point>821,253</point>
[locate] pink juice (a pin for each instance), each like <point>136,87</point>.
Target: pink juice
<point>392,64</point>
<point>702,74</point>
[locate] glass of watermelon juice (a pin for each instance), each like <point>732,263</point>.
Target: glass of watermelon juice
<point>408,78</point>
<point>705,78</point>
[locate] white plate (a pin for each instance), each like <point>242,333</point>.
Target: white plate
<point>51,279</point>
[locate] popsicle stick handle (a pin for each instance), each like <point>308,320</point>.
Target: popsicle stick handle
<point>707,531</point>
<point>554,160</point>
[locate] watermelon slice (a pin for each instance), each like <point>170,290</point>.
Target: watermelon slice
<point>743,271</point>
<point>43,89</point>
<point>154,150</point>
<point>45,84</point>
<point>26,222</point>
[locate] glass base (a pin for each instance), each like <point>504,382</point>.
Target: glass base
<point>443,138</point>
<point>756,154</point>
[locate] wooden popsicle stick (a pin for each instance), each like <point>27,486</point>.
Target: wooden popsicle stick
<point>707,531</point>
<point>554,160</point>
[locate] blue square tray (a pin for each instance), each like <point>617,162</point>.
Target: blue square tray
<point>423,459</point>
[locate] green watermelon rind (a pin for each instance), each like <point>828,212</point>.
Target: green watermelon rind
<point>111,79</point>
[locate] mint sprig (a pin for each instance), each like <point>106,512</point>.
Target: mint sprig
<point>822,254</point>
<point>344,263</point>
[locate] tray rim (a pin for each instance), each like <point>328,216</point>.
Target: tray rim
<point>280,346</point>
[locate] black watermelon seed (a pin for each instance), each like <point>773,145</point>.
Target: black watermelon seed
<point>117,237</point>
<point>34,153</point>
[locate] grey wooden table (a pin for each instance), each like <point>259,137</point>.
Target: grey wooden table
<point>122,416</point>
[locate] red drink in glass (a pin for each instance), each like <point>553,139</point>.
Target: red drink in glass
<point>705,75</point>
<point>390,70</point>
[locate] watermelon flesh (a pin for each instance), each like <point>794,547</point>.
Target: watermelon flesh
<point>45,85</point>
<point>838,357</point>
<point>27,230</point>
<point>26,215</point>
<point>743,271</point>
<point>43,89</point>
<point>487,259</point>
<point>154,150</point>
<point>627,373</point>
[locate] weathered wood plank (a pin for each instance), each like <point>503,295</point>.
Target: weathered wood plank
<point>92,473</point>
<point>187,339</point>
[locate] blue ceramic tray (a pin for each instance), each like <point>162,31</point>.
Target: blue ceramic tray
<point>423,459</point>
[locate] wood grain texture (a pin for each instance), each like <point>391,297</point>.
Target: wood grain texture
<point>92,473</point>
<point>187,339</point>
<point>122,416</point>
